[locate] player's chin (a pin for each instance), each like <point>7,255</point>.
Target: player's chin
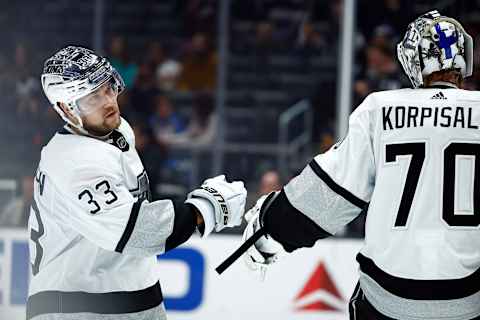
<point>113,121</point>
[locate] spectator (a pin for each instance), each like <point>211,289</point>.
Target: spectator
<point>199,66</point>
<point>384,35</point>
<point>120,60</point>
<point>152,154</point>
<point>168,74</point>
<point>262,46</point>
<point>164,121</point>
<point>166,70</point>
<point>264,43</point>
<point>26,84</point>
<point>143,91</point>
<point>202,127</point>
<point>17,211</point>
<point>270,181</point>
<point>310,39</point>
<point>326,141</point>
<point>382,72</point>
<point>156,54</point>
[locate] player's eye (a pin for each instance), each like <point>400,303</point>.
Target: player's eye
<point>110,89</point>
<point>112,86</point>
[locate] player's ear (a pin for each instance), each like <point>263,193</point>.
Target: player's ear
<point>67,112</point>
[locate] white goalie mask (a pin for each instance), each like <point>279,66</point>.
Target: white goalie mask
<point>433,43</point>
<point>73,73</point>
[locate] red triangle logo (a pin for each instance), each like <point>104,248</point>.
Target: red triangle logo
<point>320,280</point>
<point>317,306</point>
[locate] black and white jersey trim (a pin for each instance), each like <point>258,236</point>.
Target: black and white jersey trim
<point>279,218</point>
<point>347,195</point>
<point>130,226</point>
<point>120,302</point>
<point>421,289</point>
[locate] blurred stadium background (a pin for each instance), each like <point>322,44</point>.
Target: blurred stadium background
<point>250,88</point>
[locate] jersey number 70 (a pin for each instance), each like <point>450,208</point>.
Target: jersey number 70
<point>417,150</point>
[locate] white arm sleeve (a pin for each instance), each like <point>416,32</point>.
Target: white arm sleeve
<point>101,209</point>
<point>338,184</point>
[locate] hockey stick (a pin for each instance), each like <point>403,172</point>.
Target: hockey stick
<point>241,250</point>
<point>250,241</point>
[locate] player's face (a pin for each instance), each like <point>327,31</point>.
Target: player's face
<point>100,111</point>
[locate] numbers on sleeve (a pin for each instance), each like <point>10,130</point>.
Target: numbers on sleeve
<point>90,200</point>
<point>107,191</point>
<point>103,186</point>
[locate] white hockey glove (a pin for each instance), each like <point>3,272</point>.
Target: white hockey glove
<point>220,203</point>
<point>266,250</point>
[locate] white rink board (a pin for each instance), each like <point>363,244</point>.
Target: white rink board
<point>236,294</point>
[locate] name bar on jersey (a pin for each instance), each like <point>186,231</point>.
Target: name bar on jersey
<point>399,117</point>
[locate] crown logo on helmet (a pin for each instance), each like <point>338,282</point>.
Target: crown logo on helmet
<point>73,73</point>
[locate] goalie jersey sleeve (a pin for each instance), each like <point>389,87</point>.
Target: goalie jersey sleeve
<point>330,192</point>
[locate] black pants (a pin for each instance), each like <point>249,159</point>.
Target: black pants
<point>360,309</point>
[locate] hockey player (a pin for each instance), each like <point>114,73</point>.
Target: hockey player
<point>94,230</point>
<point>412,156</point>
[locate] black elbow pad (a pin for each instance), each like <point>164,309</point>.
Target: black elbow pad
<point>185,222</point>
<point>289,226</point>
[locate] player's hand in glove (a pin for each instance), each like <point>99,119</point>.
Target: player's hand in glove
<point>220,203</point>
<point>266,250</point>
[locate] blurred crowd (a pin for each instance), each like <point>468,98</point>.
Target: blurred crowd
<point>279,52</point>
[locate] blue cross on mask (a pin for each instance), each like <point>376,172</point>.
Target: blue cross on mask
<point>445,42</point>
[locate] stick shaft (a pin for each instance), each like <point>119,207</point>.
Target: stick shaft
<point>241,250</point>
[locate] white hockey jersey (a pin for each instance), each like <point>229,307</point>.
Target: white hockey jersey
<point>92,250</point>
<point>412,157</point>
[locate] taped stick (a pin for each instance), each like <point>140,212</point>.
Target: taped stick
<point>241,250</point>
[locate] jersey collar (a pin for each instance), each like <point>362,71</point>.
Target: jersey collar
<point>442,85</point>
<point>114,138</point>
